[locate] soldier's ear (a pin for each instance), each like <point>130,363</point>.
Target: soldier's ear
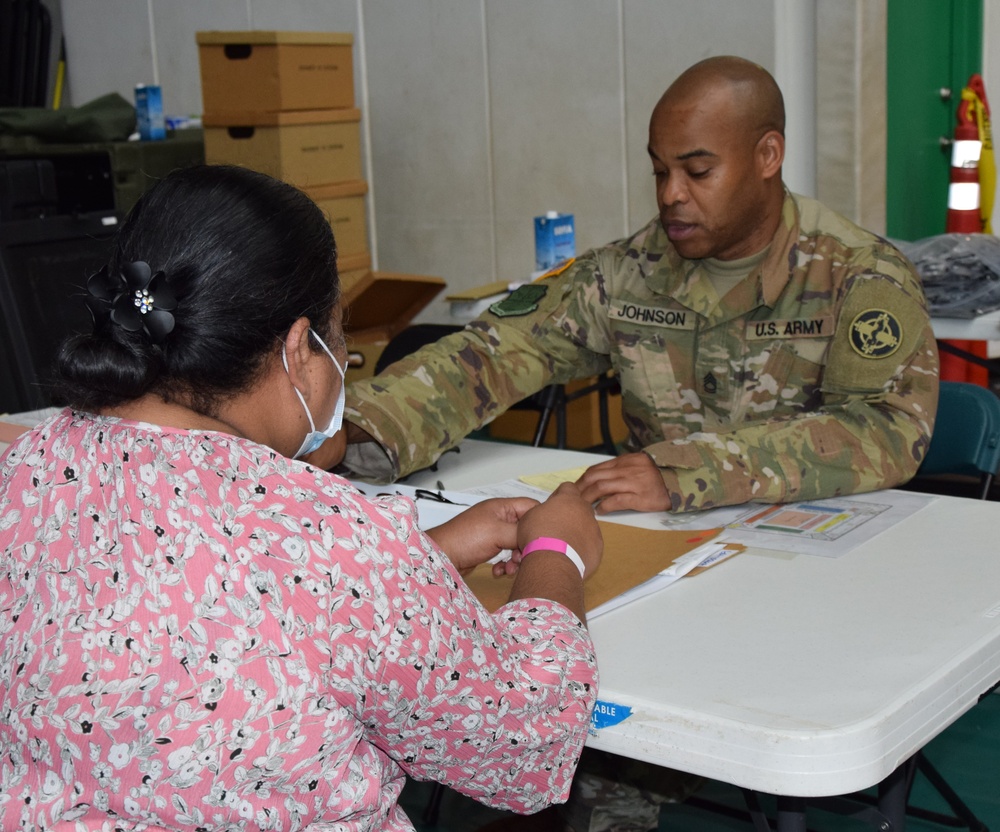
<point>770,153</point>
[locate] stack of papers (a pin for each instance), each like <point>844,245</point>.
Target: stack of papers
<point>637,561</point>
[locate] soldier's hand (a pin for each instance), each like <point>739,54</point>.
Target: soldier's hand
<point>630,481</point>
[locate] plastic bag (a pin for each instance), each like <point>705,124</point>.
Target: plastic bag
<point>960,272</point>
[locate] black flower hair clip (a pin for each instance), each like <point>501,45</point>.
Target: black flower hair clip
<point>137,299</point>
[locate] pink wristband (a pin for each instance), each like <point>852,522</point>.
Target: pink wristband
<point>554,544</point>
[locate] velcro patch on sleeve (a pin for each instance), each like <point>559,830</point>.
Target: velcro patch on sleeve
<point>878,330</point>
<point>875,333</point>
<point>522,301</point>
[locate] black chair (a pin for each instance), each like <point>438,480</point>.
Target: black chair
<point>548,402</point>
<point>604,386</point>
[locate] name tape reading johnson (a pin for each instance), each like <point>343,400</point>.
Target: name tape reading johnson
<point>821,327</point>
<point>652,315</point>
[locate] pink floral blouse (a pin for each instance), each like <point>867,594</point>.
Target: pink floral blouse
<point>196,632</point>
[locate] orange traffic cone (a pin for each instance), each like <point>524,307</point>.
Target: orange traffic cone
<point>964,218</point>
<point>963,188</point>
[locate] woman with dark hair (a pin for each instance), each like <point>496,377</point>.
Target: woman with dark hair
<point>199,630</point>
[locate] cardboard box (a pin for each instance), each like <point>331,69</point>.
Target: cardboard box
<point>274,71</point>
<point>306,148</point>
<point>386,302</point>
<point>344,206</point>
<point>378,307</point>
<point>353,271</point>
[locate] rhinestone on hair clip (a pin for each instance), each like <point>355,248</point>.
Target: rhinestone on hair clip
<point>137,299</point>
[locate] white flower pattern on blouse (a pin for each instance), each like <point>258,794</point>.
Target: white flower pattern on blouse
<point>198,633</point>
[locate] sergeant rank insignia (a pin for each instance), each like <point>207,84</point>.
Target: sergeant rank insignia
<point>875,333</point>
<point>522,301</point>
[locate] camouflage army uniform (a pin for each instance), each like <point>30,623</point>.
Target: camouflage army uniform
<point>815,376</point>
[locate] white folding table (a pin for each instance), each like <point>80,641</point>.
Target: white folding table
<point>794,675</point>
<point>984,328</point>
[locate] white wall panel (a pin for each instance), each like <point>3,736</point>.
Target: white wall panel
<point>837,116</point>
<point>426,77</point>
<point>110,47</point>
<point>665,37</point>
<point>175,23</point>
<point>305,15</point>
<point>555,91</point>
<point>101,57</point>
<point>869,139</point>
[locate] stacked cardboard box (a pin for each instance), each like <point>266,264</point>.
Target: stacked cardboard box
<point>283,103</point>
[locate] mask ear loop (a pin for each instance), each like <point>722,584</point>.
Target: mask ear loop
<point>338,414</point>
<point>284,361</point>
<point>326,349</point>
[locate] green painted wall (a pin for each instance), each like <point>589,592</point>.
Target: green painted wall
<point>932,44</point>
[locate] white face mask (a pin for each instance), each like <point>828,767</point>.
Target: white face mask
<point>314,438</point>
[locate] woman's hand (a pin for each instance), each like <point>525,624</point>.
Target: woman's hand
<point>549,573</point>
<point>481,532</point>
<point>568,516</point>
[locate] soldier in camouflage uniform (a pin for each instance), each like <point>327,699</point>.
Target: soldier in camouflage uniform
<point>815,375</point>
<point>768,349</point>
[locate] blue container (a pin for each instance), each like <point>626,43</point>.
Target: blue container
<point>555,239</point>
<point>149,113</point>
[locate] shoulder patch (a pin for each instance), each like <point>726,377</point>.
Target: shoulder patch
<point>875,333</point>
<point>522,301</point>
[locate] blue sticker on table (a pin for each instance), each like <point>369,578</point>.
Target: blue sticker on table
<point>607,714</point>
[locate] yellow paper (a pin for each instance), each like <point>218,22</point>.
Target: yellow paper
<point>553,479</point>
<point>480,292</point>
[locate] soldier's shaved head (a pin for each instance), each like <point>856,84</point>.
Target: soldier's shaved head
<point>716,141</point>
<point>754,97</point>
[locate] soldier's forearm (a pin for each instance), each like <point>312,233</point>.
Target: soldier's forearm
<point>859,449</point>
